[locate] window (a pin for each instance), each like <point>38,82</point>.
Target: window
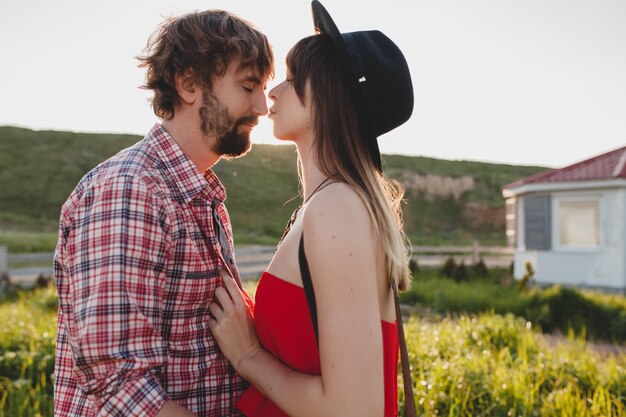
<point>537,222</point>
<point>511,219</point>
<point>579,223</point>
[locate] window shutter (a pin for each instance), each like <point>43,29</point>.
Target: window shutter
<point>537,226</point>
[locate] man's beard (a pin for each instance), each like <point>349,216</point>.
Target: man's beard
<point>216,121</point>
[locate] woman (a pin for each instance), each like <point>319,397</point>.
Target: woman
<point>341,92</point>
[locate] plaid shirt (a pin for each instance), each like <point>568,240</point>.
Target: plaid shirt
<point>136,268</point>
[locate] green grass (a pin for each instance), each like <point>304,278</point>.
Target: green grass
<point>589,314</point>
<point>27,343</point>
<point>28,242</point>
<point>262,188</point>
<point>445,295</point>
<point>494,365</point>
<point>467,365</point>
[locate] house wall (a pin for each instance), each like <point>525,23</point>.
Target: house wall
<point>622,194</point>
<point>600,267</point>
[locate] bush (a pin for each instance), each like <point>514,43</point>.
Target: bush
<point>460,273</point>
<point>448,268</point>
<point>562,308</point>
<point>528,279</point>
<point>598,316</point>
<point>480,269</point>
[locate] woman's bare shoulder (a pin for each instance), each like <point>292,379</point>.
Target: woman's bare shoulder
<point>337,209</point>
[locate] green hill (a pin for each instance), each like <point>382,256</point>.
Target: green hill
<point>448,202</point>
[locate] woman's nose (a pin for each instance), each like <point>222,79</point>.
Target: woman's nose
<point>275,92</point>
<point>272,94</point>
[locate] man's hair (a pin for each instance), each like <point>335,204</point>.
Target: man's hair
<point>205,42</point>
<point>340,149</point>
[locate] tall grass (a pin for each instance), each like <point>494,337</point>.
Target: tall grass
<point>27,343</point>
<point>595,315</point>
<point>493,365</point>
<point>482,365</point>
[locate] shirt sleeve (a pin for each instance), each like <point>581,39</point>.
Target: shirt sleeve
<point>116,253</point>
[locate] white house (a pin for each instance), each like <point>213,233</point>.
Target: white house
<point>570,223</point>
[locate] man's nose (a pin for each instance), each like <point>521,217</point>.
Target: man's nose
<point>260,104</point>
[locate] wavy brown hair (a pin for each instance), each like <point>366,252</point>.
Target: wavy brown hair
<point>340,149</point>
<point>205,42</point>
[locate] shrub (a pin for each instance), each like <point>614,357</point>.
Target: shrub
<point>562,308</point>
<point>480,269</point>
<point>599,316</point>
<point>528,278</point>
<point>448,268</point>
<point>460,273</point>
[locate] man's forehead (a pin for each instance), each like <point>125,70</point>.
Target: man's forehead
<point>251,73</point>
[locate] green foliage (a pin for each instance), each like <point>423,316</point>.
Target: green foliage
<point>480,269</point>
<point>460,273</point>
<point>432,220</point>
<point>39,169</point>
<point>448,267</point>
<point>27,344</point>
<point>262,192</point>
<point>443,295</point>
<point>488,177</point>
<point>494,365</point>
<point>596,315</point>
<point>487,365</point>
<point>600,316</point>
<point>528,278</point>
<point>27,242</point>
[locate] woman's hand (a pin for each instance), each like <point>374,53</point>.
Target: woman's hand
<point>232,323</point>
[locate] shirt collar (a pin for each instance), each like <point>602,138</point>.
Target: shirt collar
<point>189,181</point>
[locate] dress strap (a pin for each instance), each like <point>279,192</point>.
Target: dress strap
<point>307,285</point>
<point>292,219</point>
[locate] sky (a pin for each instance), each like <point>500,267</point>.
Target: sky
<point>531,82</point>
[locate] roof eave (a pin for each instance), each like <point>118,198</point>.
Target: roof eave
<point>563,186</point>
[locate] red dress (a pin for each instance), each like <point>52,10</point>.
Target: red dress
<point>284,327</point>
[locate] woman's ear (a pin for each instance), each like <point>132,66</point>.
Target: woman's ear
<point>186,86</point>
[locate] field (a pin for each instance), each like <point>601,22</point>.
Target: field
<point>476,344</point>
<point>592,315</point>
<point>482,364</point>
<point>493,365</point>
<point>448,202</point>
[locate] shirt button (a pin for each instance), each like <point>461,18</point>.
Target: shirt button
<point>232,261</point>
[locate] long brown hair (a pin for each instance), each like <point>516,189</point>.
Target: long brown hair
<point>206,42</point>
<point>340,149</point>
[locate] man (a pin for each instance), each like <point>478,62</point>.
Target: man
<point>143,235</point>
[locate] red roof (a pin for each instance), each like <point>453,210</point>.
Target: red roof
<point>607,166</point>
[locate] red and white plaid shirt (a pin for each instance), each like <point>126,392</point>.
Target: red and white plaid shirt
<point>136,267</point>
